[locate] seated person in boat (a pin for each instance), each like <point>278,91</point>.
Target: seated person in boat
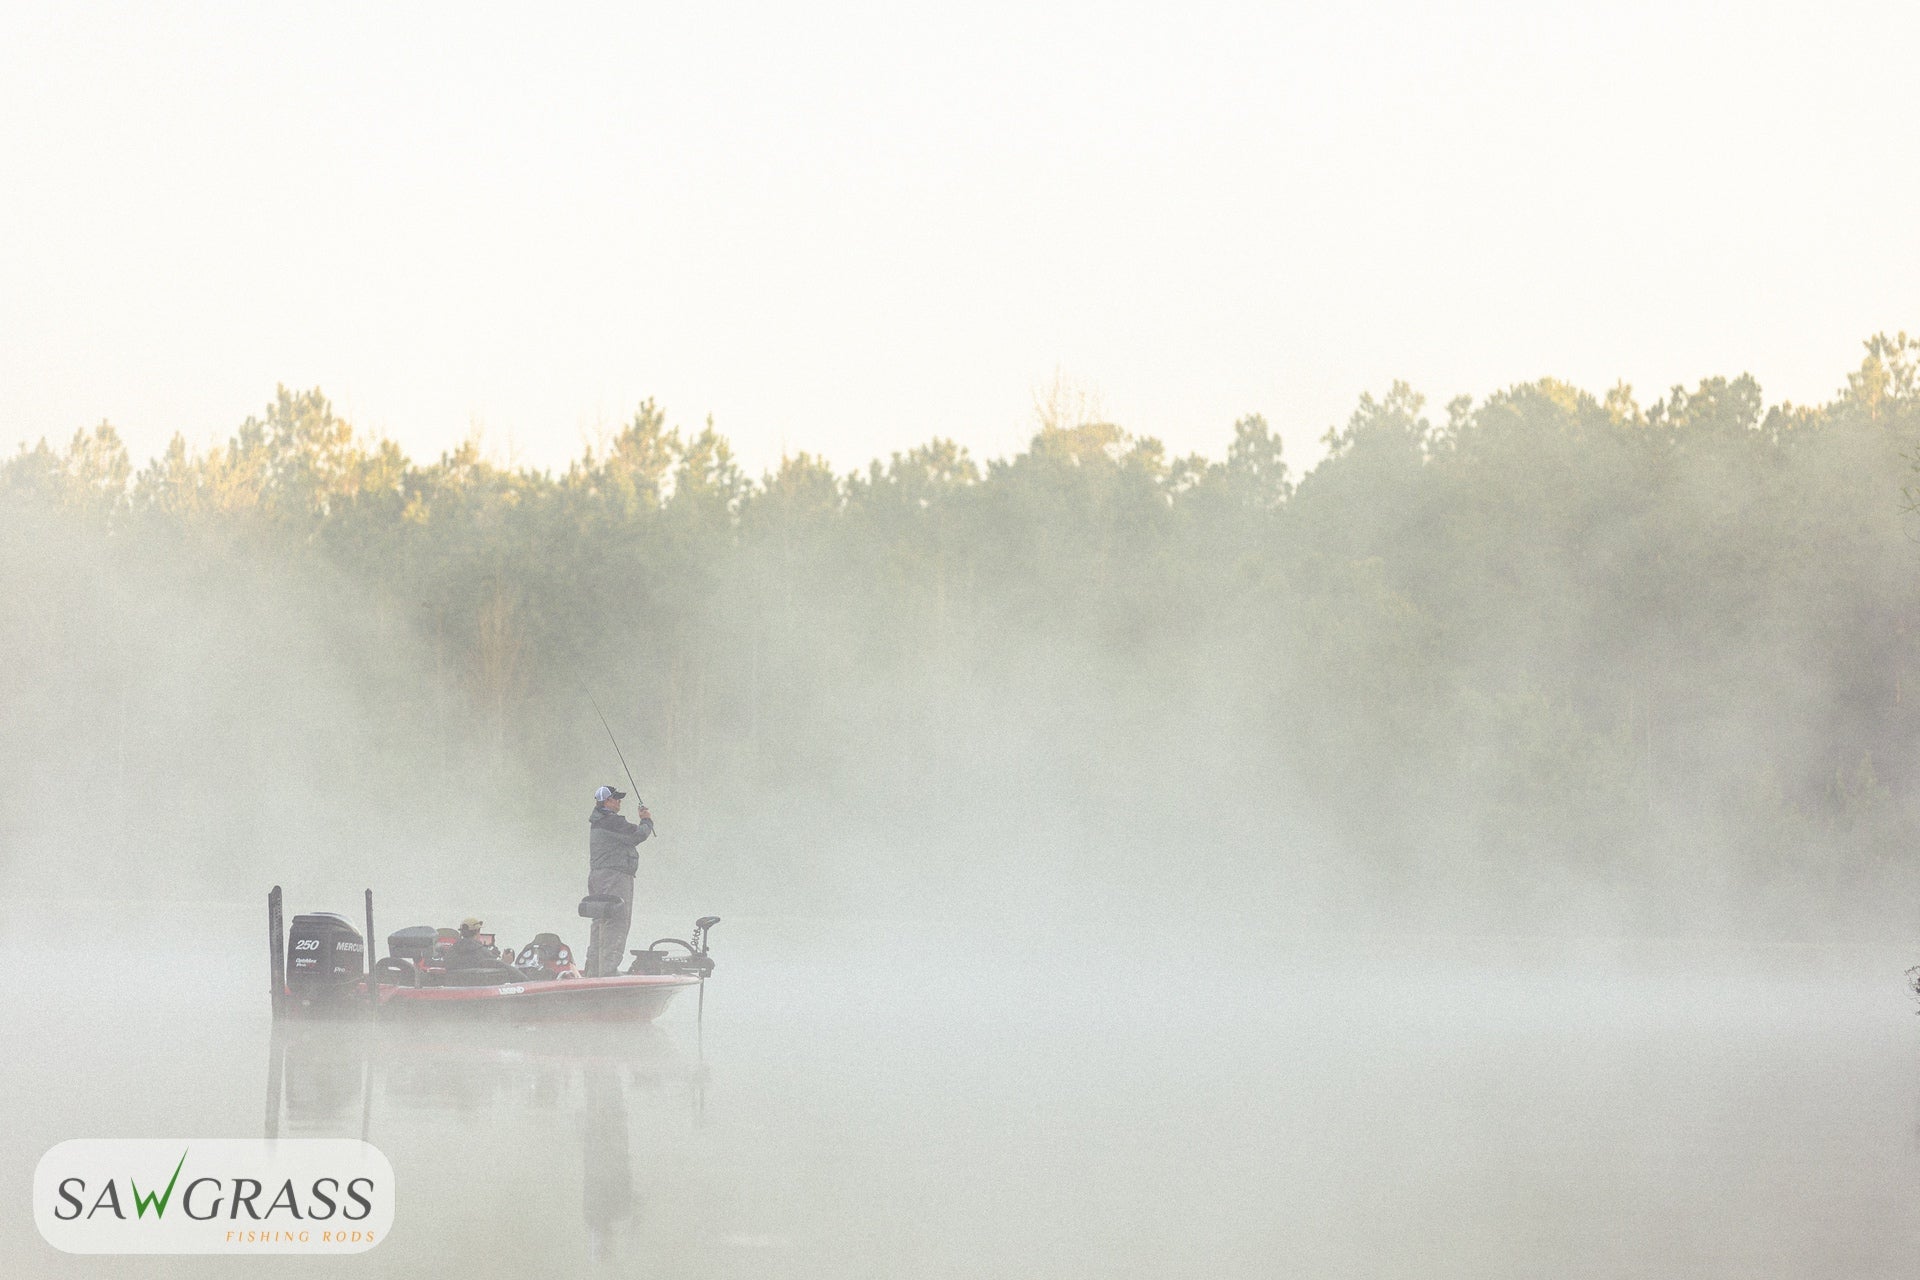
<point>470,952</point>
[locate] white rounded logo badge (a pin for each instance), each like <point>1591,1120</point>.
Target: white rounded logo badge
<point>248,1196</point>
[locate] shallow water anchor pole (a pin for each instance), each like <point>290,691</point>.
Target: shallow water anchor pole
<point>276,952</point>
<point>276,1076</point>
<point>373,991</point>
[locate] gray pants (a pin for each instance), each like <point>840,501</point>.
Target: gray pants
<point>610,937</point>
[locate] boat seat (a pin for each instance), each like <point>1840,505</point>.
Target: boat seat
<point>544,957</point>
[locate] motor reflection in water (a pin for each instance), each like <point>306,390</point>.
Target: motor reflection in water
<point>485,1114</point>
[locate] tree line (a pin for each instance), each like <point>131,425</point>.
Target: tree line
<point>1541,639</point>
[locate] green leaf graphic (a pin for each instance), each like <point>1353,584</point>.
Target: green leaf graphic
<point>158,1202</point>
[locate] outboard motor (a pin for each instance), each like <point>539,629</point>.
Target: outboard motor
<point>326,958</point>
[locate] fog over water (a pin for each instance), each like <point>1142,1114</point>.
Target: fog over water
<point>1486,855</point>
<point>1402,759</point>
<point>903,1099</point>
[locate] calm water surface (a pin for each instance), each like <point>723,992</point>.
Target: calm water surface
<point>928,1102</point>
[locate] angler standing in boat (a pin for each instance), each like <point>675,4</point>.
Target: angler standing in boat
<point>615,847</point>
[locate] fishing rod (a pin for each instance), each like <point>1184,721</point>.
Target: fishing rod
<point>638,803</point>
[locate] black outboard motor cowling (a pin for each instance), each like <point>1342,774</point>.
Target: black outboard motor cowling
<point>326,958</point>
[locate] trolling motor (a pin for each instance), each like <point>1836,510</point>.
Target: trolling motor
<point>696,961</point>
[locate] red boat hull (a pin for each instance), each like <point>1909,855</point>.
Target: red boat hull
<point>626,998</point>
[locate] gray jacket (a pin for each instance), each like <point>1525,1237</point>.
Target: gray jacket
<point>615,842</point>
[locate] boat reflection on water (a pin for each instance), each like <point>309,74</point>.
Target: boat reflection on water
<point>490,1115</point>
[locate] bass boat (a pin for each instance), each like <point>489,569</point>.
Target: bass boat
<point>322,966</point>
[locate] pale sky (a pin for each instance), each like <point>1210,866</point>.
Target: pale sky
<point>849,228</point>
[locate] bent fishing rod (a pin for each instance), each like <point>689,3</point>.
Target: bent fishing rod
<point>638,803</point>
